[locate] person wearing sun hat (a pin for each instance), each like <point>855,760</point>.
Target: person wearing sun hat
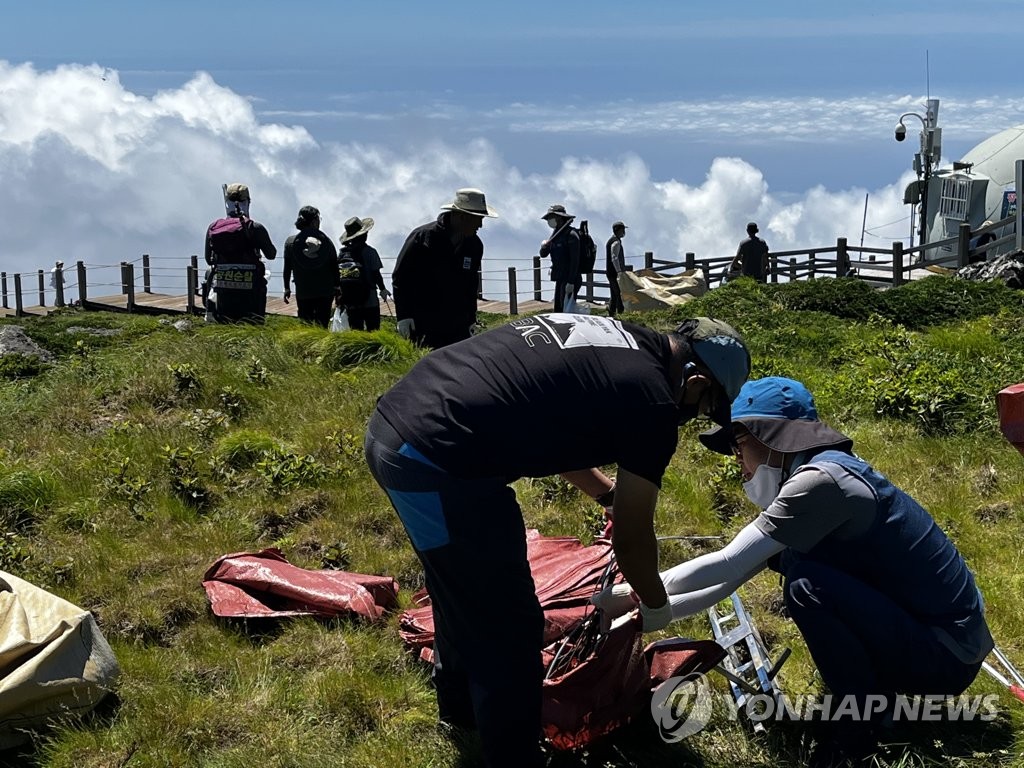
<point>564,249</point>
<point>364,311</point>
<point>883,599</point>
<point>437,273</point>
<point>448,439</point>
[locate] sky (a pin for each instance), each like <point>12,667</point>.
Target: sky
<point>120,121</point>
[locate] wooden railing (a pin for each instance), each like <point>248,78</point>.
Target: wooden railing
<point>879,266</point>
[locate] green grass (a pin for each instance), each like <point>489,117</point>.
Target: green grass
<point>136,459</point>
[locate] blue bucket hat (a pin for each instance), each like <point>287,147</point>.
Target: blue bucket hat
<point>719,348</point>
<point>780,414</point>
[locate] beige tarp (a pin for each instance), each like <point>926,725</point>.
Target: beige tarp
<point>53,659</point>
<point>647,289</point>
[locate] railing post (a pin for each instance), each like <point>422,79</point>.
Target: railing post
<point>536,278</point>
<point>812,264</point>
<point>124,279</point>
<point>689,262</point>
<point>191,283</point>
<point>897,263</point>
<point>773,268</point>
<point>58,284</point>
<point>513,297</point>
<point>648,259</point>
<point>19,310</point>
<point>792,269</point>
<point>194,261</point>
<point>842,258</point>
<point>83,293</point>
<point>146,287</point>
<point>479,285</point>
<point>590,287</point>
<point>3,287</point>
<point>42,288</point>
<point>963,245</point>
<point>129,277</point>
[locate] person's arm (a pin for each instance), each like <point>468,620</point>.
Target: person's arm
<point>592,482</point>
<point>286,272</point>
<point>403,278</point>
<point>263,242</point>
<point>765,262</point>
<point>618,264</point>
<point>633,537</point>
<point>745,555</point>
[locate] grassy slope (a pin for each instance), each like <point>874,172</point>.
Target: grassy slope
<point>136,460</point>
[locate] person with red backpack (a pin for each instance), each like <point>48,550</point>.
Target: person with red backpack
<point>234,245</point>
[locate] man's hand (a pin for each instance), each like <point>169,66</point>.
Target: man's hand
<point>656,618</point>
<point>567,293</point>
<point>406,327</point>
<point>384,294</point>
<point>287,295</point>
<point>613,602</point>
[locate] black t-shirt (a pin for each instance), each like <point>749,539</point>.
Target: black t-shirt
<point>542,395</point>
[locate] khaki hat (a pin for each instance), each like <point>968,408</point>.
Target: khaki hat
<point>557,210</point>
<point>472,201</point>
<point>236,192</point>
<point>355,227</point>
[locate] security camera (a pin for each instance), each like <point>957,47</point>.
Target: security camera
<point>901,131</point>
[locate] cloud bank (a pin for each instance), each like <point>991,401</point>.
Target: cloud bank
<point>94,172</point>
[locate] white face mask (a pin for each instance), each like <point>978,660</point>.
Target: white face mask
<point>764,486</point>
<point>553,222</point>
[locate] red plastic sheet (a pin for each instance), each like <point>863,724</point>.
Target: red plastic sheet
<point>565,574</point>
<point>1010,402</point>
<point>265,585</point>
<point>606,688</point>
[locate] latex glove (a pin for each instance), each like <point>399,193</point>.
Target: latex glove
<point>656,618</point>
<point>287,295</point>
<point>385,294</point>
<point>406,327</point>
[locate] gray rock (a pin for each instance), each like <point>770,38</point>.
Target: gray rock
<point>14,341</point>
<point>182,325</point>
<point>1008,268</point>
<point>93,331</point>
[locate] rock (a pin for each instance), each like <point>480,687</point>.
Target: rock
<point>93,331</point>
<point>14,341</point>
<point>182,325</point>
<point>1008,268</point>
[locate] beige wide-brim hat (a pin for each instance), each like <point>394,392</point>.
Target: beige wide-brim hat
<point>356,227</point>
<point>471,201</point>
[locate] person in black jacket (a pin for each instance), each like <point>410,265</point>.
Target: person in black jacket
<point>437,272</point>
<point>311,257</point>
<point>564,249</point>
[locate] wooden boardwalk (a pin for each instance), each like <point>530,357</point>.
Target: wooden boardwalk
<point>161,303</point>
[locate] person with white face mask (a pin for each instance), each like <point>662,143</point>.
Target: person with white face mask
<point>564,249</point>
<point>883,599</point>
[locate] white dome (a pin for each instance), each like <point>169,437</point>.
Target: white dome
<point>996,156</point>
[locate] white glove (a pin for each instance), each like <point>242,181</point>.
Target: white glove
<point>616,600</point>
<point>656,618</point>
<point>406,327</point>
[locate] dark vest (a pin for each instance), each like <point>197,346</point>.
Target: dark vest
<point>908,558</point>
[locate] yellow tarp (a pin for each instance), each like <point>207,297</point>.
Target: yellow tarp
<point>53,659</point>
<point>647,289</point>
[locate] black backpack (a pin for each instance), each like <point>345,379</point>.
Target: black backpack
<point>588,249</point>
<point>355,288</point>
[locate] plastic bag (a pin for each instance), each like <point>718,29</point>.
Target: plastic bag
<point>340,321</point>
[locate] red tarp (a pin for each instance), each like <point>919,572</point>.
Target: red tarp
<point>605,689</point>
<point>265,585</point>
<point>1010,403</point>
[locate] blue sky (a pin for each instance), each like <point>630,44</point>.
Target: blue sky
<point>685,120</point>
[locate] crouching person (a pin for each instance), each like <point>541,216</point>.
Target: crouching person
<point>881,596</point>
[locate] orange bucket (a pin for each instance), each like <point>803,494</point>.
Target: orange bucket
<point>1010,403</point>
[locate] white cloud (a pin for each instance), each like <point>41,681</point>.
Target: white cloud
<point>94,172</point>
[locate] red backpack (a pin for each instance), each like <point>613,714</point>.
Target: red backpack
<point>229,241</point>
